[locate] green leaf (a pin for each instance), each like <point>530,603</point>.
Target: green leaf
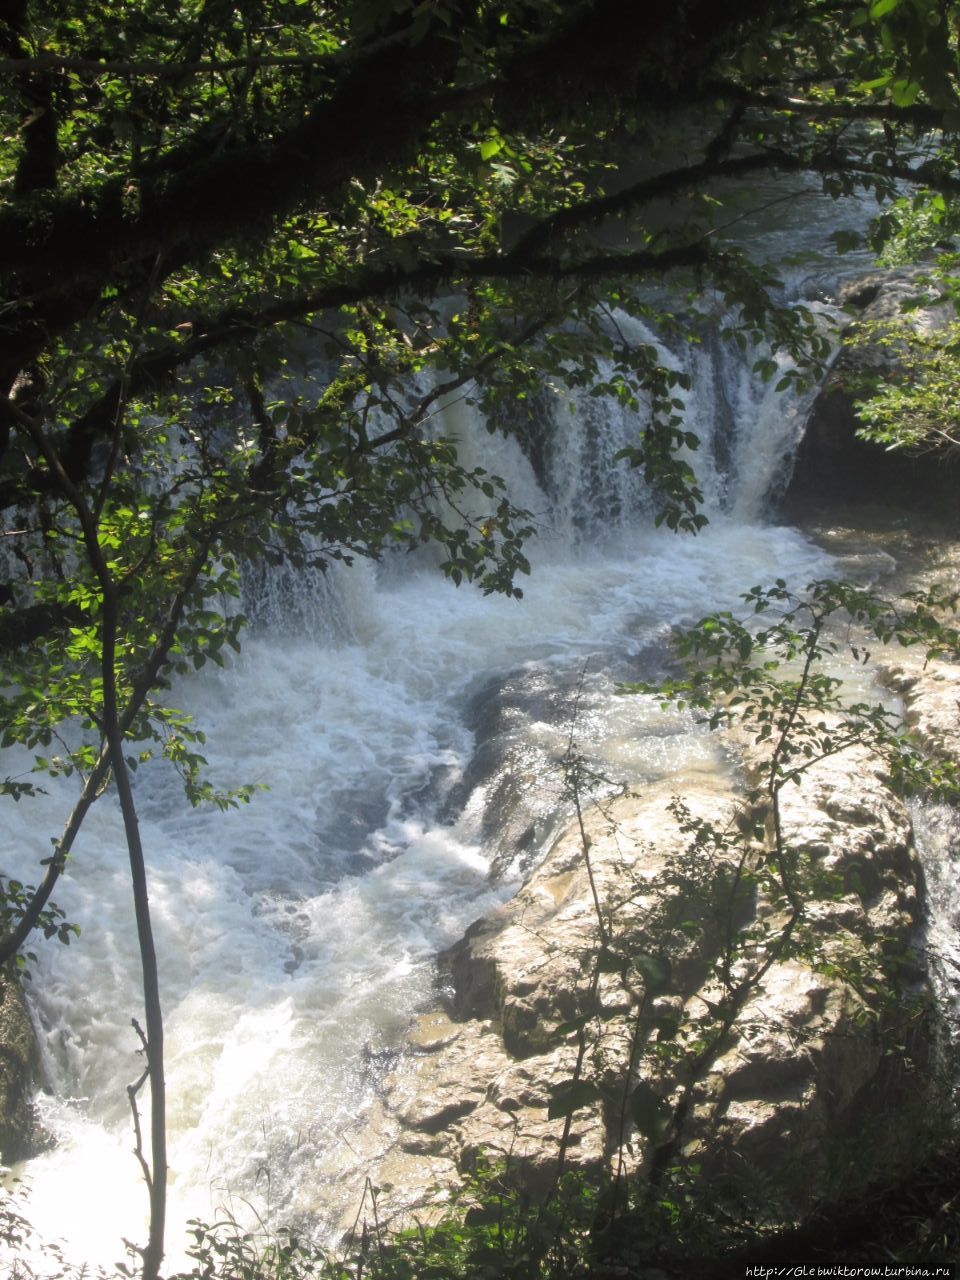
<point>571,1096</point>
<point>656,971</point>
<point>866,86</point>
<point>905,92</point>
<point>648,1111</point>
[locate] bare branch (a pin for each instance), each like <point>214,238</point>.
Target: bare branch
<point>132,1091</point>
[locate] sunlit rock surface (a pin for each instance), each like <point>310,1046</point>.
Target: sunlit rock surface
<point>818,1083</point>
<point>931,701</point>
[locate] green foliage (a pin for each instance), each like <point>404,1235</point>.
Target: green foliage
<point>489,1229</point>
<point>185,359</point>
<point>915,405</point>
<point>738,896</point>
<point>52,922</point>
<point>769,678</point>
<point>768,675</point>
<point>261,382</point>
<point>910,229</point>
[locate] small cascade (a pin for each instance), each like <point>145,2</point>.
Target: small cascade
<point>328,600</point>
<point>591,494</point>
<point>748,433</point>
<point>763,454</point>
<point>498,453</point>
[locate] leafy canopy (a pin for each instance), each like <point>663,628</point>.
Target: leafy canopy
<point>248,250</point>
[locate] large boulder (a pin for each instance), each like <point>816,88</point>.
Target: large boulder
<point>832,462</point>
<point>19,1076</point>
<point>813,1084</point>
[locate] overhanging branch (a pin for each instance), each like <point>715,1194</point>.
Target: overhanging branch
<point>155,369</point>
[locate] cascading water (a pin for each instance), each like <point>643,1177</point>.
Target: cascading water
<point>296,936</point>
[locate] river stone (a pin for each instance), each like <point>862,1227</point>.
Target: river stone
<point>931,702</point>
<point>20,1135</point>
<point>801,1083</point>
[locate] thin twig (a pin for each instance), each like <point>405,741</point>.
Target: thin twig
<point>132,1091</point>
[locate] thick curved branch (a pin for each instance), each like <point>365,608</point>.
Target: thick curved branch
<point>207,192</point>
<point>377,113</point>
<point>660,186</point>
<point>156,368</point>
<point>917,116</point>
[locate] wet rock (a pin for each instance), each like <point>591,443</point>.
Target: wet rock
<point>513,794</point>
<point>931,702</point>
<point>513,783</point>
<point>20,1134</point>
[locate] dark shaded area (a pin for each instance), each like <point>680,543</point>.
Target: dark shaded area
<point>913,1220</point>
<point>376,111</point>
<point>909,1221</point>
<point>20,1134</point>
<point>20,627</point>
<point>832,465</point>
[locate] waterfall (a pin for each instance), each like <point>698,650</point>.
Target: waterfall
<point>296,936</point>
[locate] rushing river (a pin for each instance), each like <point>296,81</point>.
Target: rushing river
<point>296,935</point>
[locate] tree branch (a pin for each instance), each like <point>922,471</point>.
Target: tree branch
<point>156,368</point>
<point>99,774</point>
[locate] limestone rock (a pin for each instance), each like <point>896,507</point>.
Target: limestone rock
<point>931,702</point>
<point>797,1082</point>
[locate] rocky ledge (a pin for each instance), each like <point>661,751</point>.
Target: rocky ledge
<point>931,702</point>
<point>697,1028</point>
<point>832,464</point>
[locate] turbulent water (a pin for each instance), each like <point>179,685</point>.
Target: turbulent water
<point>296,936</point>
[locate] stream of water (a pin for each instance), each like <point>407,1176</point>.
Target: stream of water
<point>296,935</point>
